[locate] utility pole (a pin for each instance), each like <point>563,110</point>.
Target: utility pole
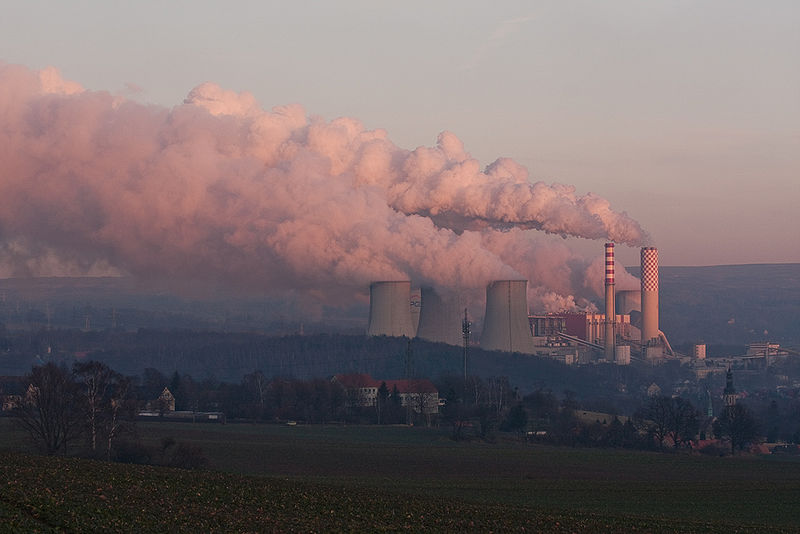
<point>465,332</point>
<point>409,354</point>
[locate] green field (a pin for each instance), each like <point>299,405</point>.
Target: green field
<point>323,478</point>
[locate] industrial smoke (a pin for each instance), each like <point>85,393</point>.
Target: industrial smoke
<point>218,191</point>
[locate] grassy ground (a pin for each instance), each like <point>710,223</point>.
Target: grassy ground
<point>368,478</point>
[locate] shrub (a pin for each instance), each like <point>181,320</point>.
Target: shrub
<point>186,456</point>
<point>130,452</point>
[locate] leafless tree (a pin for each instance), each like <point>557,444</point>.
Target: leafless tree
<point>50,411</point>
<point>736,424</point>
<point>103,396</point>
<point>658,418</point>
<point>94,379</point>
<point>667,417</point>
<point>685,422</point>
<point>120,411</point>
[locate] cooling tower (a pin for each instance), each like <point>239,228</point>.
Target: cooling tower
<point>611,313</point>
<point>440,318</point>
<point>506,326</point>
<point>628,301</point>
<point>390,309</point>
<point>649,294</point>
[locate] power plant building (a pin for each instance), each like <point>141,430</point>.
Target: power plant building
<point>591,327</point>
<point>622,354</point>
<point>547,325</point>
<point>505,325</point>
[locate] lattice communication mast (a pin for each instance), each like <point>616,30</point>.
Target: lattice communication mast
<point>465,332</point>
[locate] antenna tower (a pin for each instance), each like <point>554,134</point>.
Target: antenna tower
<point>465,332</point>
<point>409,372</point>
<point>409,355</point>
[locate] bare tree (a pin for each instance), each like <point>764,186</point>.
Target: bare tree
<point>657,418</point>
<point>120,411</point>
<point>685,422</point>
<point>382,403</point>
<point>667,417</point>
<point>103,395</point>
<point>737,424</point>
<point>94,379</point>
<point>50,411</point>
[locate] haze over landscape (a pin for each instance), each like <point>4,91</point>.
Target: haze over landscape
<point>368,266</point>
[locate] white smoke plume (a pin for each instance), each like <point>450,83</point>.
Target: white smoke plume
<point>218,192</point>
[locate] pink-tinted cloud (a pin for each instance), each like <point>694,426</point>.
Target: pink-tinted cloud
<point>218,191</point>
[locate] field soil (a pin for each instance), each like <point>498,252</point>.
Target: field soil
<point>345,478</point>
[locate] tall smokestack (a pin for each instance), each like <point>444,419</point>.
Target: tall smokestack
<point>390,309</point>
<point>611,316</point>
<point>649,294</point>
<point>506,326</point>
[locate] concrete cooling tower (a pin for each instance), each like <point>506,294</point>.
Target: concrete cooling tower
<point>440,318</point>
<point>649,294</point>
<point>506,326</point>
<point>390,309</point>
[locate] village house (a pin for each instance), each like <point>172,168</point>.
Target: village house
<point>362,391</point>
<point>164,403</point>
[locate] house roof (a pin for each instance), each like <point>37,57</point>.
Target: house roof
<point>420,385</point>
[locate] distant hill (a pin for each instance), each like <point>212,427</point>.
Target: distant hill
<point>727,304</point>
<point>730,304</point>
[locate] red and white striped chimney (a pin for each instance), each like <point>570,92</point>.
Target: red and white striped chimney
<point>611,316</point>
<point>649,294</point>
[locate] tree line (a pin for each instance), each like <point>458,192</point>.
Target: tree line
<point>90,406</point>
<point>662,422</point>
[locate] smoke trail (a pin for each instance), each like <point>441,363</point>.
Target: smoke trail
<point>218,191</point>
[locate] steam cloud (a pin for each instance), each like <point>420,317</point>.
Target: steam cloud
<point>218,191</point>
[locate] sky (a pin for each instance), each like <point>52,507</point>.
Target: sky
<point>683,115</point>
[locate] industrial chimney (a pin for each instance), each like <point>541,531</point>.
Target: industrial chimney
<point>506,326</point>
<point>390,309</point>
<point>649,294</point>
<point>611,313</point>
<point>440,318</point>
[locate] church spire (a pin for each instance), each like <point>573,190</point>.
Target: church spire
<point>729,395</point>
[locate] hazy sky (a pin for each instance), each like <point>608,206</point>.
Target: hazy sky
<point>685,115</point>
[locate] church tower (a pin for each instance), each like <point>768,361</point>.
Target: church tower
<point>729,395</point>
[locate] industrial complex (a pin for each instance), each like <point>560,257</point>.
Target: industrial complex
<point>627,331</point>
